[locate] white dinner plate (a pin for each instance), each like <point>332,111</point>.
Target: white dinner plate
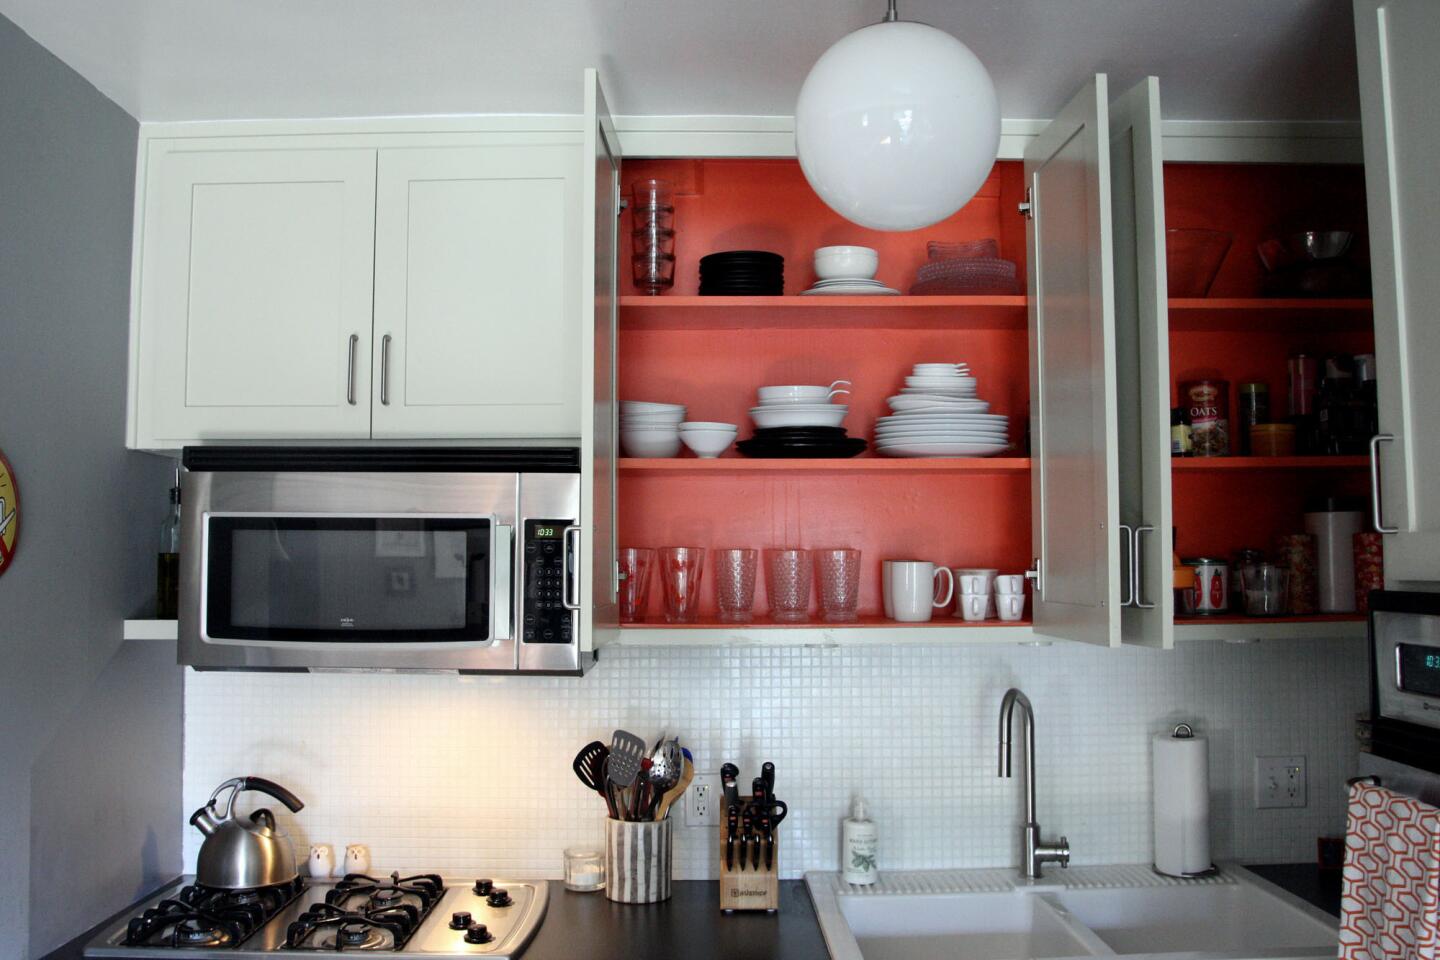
<point>924,416</point>
<point>945,449</point>
<point>887,431</point>
<point>922,405</point>
<point>891,436</point>
<point>850,289</point>
<point>966,393</point>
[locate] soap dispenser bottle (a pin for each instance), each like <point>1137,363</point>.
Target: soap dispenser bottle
<point>859,840</point>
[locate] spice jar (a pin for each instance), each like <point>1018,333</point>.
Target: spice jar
<point>1272,440</point>
<point>1179,433</point>
<point>1207,402</point>
<point>1254,409</point>
<point>1295,553</point>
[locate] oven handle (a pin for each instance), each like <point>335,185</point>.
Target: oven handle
<point>572,572</point>
<point>502,586</point>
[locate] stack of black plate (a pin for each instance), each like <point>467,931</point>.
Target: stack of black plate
<point>742,273</point>
<point>809,443</point>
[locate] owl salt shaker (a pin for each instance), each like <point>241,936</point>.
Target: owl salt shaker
<point>357,858</point>
<point>322,860</point>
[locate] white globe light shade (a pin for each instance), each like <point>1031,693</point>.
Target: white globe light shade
<point>897,126</point>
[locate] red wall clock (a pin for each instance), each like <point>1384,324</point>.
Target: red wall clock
<point>9,513</point>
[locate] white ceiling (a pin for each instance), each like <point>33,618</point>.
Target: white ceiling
<point>216,59</point>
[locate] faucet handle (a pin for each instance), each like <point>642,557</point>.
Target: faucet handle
<point>1064,853</point>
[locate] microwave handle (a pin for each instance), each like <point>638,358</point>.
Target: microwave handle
<point>571,582</point>
<point>502,587</point>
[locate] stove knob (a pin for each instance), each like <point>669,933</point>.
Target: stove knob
<point>477,933</point>
<point>483,887</point>
<point>499,897</point>
<point>459,920</point>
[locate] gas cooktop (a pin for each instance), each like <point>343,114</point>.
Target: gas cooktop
<point>417,916</point>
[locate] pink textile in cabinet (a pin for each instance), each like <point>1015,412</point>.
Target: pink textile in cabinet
<point>1391,906</point>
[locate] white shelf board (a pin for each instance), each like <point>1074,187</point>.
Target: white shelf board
<point>152,629</point>
<point>822,636</point>
<point>1259,629</point>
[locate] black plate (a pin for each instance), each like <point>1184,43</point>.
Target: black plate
<point>743,292</point>
<point>737,256</point>
<point>741,276</point>
<point>785,433</point>
<point>827,451</point>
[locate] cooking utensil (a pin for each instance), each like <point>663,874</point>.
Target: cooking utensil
<point>241,854</point>
<point>626,752</point>
<point>589,765</point>
<point>677,791</point>
<point>637,796</point>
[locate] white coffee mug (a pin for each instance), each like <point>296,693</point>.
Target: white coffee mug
<point>1010,605</point>
<point>888,603</point>
<point>973,583</point>
<point>914,592</point>
<point>973,605</point>
<point>1010,583</point>
<point>989,574</point>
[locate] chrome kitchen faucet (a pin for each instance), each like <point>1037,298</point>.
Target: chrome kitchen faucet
<point>1037,851</point>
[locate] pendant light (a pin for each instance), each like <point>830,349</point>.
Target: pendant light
<point>897,125</point>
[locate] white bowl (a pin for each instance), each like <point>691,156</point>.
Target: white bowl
<point>649,443</point>
<point>795,415</point>
<point>649,407</point>
<point>705,426</point>
<point>796,393</point>
<point>650,421</point>
<point>848,263</point>
<point>707,444</point>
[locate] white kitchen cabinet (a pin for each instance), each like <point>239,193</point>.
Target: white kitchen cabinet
<point>1397,42</point>
<point>254,286</point>
<point>477,291</point>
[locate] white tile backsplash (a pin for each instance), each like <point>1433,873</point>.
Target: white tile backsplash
<point>471,775</point>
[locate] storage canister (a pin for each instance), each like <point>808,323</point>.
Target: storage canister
<point>1254,409</point>
<point>1295,554</point>
<point>638,860</point>
<point>1333,522</point>
<point>1211,593</point>
<point>1207,403</point>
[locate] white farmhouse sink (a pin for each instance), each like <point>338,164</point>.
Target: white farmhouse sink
<point>1083,912</point>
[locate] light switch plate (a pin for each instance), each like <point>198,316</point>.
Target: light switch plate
<point>1279,781</point>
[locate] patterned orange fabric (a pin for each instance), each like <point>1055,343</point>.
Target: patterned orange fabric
<point>1391,905</point>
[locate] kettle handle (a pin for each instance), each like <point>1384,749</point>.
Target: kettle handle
<point>273,789</point>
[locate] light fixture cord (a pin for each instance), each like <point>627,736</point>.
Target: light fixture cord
<point>891,15</point>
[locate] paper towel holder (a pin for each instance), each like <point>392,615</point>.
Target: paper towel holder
<point>1184,731</point>
<point>1188,734</point>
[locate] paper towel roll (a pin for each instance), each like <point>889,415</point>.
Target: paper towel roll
<point>1181,788</point>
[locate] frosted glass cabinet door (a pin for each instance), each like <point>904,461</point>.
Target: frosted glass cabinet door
<point>255,292</point>
<point>477,280</point>
<point>1074,477</point>
<point>1397,42</point>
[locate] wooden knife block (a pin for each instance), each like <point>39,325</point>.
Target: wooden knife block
<point>750,888</point>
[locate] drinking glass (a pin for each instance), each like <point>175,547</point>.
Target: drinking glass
<point>839,573</point>
<point>652,219</point>
<point>1265,589</point>
<point>635,564</point>
<point>735,583</point>
<point>680,571</point>
<point>787,581</point>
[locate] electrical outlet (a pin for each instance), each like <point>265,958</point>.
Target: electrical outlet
<point>702,801</point>
<point>1279,781</point>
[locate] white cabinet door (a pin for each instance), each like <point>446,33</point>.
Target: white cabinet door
<point>254,307</point>
<point>1142,337</point>
<point>599,614</point>
<point>1397,44</point>
<point>477,280</point>
<point>1075,481</point>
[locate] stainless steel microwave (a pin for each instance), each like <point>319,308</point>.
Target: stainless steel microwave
<point>1405,677</point>
<point>403,559</point>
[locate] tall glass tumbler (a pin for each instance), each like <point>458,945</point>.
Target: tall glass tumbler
<point>787,581</point>
<point>838,571</point>
<point>635,564</point>
<point>652,218</point>
<point>680,572</point>
<point>735,583</point>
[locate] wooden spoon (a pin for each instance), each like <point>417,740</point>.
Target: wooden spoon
<point>675,792</point>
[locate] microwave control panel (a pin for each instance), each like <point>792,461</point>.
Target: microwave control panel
<point>544,618</point>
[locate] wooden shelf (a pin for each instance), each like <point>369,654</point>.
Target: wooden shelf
<point>892,466</point>
<point>1270,313</point>
<point>673,312</point>
<point>1242,629</point>
<point>1245,464</point>
<point>152,630</point>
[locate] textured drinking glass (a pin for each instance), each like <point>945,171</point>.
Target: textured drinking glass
<point>839,574</point>
<point>735,583</point>
<point>635,564</point>
<point>680,571</point>
<point>652,215</point>
<point>787,581</point>
<point>1265,590</point>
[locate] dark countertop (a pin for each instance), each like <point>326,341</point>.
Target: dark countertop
<point>1306,881</point>
<point>688,925</point>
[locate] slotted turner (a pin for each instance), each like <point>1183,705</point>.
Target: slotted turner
<point>626,752</point>
<point>589,765</point>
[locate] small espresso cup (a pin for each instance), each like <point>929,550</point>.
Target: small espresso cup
<point>914,589</point>
<point>1010,583</point>
<point>1011,606</point>
<point>973,606</point>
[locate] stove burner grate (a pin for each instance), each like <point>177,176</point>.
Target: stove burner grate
<point>366,913</point>
<point>200,916</point>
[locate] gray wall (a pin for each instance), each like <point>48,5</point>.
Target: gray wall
<point>90,726</point>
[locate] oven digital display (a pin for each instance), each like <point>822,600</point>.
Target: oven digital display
<point>1419,669</point>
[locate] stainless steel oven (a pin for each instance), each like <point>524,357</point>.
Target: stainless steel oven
<point>1405,675</point>
<point>432,559</point>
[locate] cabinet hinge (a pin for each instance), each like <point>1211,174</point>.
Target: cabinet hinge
<point>1027,209</point>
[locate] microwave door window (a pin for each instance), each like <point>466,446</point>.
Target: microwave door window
<point>349,579</point>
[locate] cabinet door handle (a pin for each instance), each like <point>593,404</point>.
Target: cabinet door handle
<point>1376,514</point>
<point>1127,540</point>
<point>1137,570</point>
<point>350,369</point>
<point>385,370</point>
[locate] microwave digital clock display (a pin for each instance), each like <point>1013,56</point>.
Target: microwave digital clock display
<point>1419,669</point>
<point>545,533</point>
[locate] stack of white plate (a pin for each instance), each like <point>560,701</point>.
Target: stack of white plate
<point>798,405</point>
<point>849,287</point>
<point>938,414</point>
<point>650,429</point>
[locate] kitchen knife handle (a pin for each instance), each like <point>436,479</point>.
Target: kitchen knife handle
<point>767,773</point>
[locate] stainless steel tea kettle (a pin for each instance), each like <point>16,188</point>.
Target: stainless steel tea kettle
<point>240,854</point>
